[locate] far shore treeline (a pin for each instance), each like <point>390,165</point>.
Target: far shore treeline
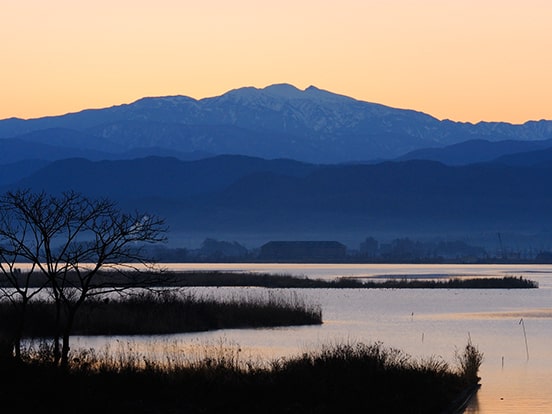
<point>370,250</point>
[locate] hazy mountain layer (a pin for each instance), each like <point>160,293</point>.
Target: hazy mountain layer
<point>476,151</point>
<point>239,195</point>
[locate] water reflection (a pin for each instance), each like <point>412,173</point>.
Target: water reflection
<point>473,406</point>
<point>518,315</point>
<point>419,321</point>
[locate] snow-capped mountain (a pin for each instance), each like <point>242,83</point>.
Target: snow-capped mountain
<point>279,121</point>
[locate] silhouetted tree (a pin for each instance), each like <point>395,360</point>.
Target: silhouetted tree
<point>212,249</point>
<point>18,290</point>
<point>369,247</point>
<point>69,239</point>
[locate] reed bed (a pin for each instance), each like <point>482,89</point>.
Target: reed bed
<point>275,280</point>
<point>168,312</point>
<point>342,377</point>
<point>239,279</point>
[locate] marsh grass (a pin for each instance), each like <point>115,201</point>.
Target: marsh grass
<point>469,361</point>
<point>239,279</point>
<point>275,280</point>
<point>341,377</point>
<point>168,312</point>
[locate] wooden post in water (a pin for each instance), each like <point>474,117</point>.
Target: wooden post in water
<point>525,336</point>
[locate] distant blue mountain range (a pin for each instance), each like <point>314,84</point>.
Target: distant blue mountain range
<point>279,121</point>
<point>281,163</point>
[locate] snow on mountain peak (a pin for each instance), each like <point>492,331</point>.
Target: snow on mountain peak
<point>278,94</point>
<point>290,92</point>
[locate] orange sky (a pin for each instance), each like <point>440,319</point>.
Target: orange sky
<point>463,60</point>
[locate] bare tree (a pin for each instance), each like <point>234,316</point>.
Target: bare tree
<point>18,288</point>
<point>70,239</point>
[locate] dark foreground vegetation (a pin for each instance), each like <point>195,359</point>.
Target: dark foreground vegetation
<point>338,378</point>
<point>166,312</point>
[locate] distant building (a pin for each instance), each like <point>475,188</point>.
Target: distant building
<point>303,251</point>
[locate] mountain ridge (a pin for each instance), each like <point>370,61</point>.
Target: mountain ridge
<point>312,125</point>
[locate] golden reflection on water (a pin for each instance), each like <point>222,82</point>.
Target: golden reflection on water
<point>506,387</point>
<point>518,314</point>
<point>482,402</point>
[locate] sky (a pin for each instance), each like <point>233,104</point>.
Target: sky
<point>468,60</point>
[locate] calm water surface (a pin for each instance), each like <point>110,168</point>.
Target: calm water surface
<point>517,369</point>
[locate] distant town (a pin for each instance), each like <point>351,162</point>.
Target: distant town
<point>400,250</point>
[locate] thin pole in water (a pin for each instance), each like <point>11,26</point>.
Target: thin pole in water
<point>522,323</point>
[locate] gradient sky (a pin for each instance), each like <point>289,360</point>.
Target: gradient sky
<point>467,60</point>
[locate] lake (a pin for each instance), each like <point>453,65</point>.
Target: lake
<point>513,328</point>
